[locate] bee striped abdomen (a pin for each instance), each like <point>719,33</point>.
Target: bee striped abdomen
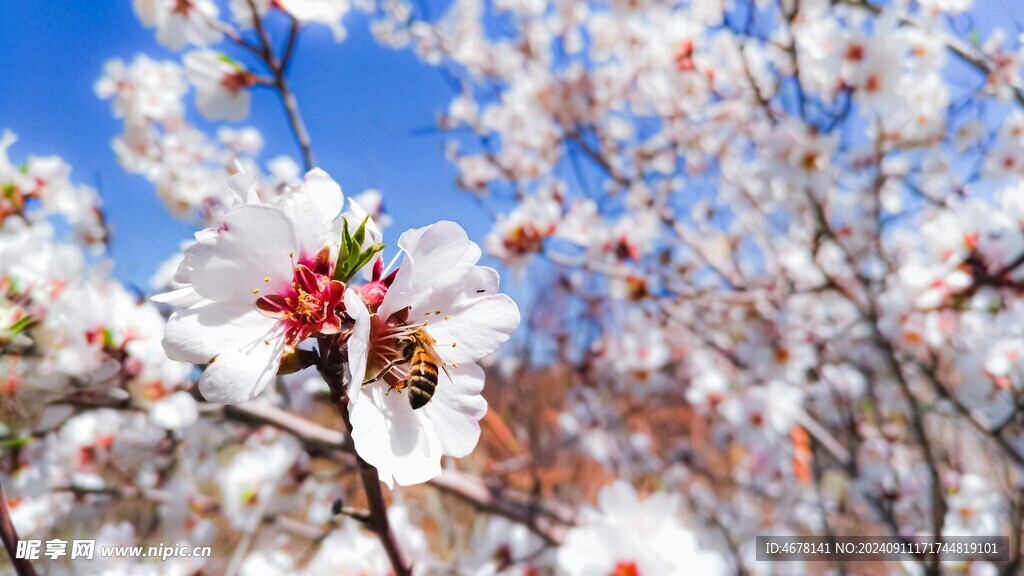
<point>422,380</point>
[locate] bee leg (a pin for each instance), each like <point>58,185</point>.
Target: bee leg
<point>400,385</point>
<point>381,373</point>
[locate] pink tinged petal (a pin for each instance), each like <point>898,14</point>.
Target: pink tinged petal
<point>274,305</point>
<point>239,375</point>
<point>307,280</point>
<point>358,343</point>
<point>331,325</point>
<point>204,330</point>
<point>456,409</point>
<point>388,434</point>
<point>254,243</point>
<point>475,327</point>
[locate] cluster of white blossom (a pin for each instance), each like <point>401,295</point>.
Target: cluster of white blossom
<point>773,253</point>
<point>188,169</point>
<point>798,224</point>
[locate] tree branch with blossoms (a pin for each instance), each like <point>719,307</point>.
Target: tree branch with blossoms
<point>772,254</point>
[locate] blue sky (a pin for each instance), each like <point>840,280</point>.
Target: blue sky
<point>371,113</point>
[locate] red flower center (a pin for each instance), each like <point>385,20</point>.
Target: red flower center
<point>625,569</point>
<point>237,81</point>
<point>182,7</point>
<point>308,306</point>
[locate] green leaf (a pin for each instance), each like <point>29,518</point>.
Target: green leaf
<point>20,324</point>
<point>227,60</point>
<point>351,256</point>
<point>12,443</point>
<point>360,234</point>
<point>339,266</point>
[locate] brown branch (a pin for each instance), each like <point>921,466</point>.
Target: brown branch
<point>291,106</point>
<point>279,68</point>
<point>378,521</point>
<point>960,48</point>
<point>10,537</point>
<point>547,523</point>
<point>314,437</point>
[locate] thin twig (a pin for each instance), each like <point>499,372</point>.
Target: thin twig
<point>332,367</point>
<point>279,68</point>
<point>378,521</point>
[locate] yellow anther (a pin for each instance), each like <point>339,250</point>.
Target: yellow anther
<point>255,290</point>
<point>266,278</point>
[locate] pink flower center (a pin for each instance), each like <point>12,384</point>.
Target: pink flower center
<point>308,306</point>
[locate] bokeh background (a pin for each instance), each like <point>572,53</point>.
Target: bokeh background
<point>371,111</point>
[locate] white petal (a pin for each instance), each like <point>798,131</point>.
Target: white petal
<point>437,255</point>
<point>475,327</point>
<point>208,328</point>
<point>253,243</point>
<point>180,298</point>
<point>618,499</point>
<point>456,409</point>
<point>358,343</point>
<point>174,412</point>
<point>325,192</point>
<point>445,242</point>
<point>242,185</point>
<point>388,434</point>
<point>224,104</point>
<point>315,207</point>
<point>241,374</point>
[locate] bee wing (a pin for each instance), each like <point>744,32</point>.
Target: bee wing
<point>428,344</point>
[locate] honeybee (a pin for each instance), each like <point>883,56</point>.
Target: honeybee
<point>418,350</point>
